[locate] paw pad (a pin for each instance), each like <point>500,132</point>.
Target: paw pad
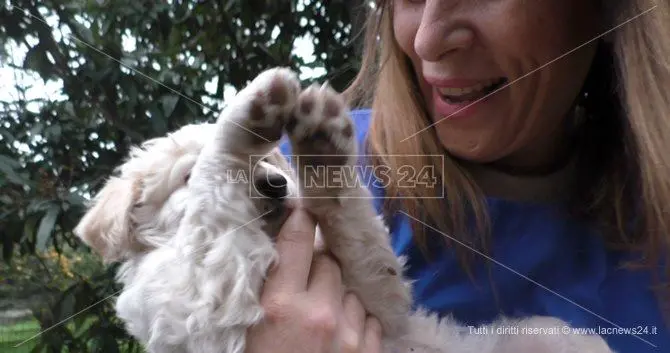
<point>306,105</point>
<point>348,131</point>
<point>263,105</point>
<point>279,92</point>
<point>332,108</point>
<point>322,134</point>
<point>256,109</point>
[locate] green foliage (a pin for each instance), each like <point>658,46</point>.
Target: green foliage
<point>125,71</point>
<point>46,271</point>
<point>12,335</point>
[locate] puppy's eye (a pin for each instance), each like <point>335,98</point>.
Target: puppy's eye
<point>187,177</point>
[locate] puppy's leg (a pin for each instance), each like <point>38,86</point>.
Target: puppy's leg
<point>223,252</point>
<point>252,123</point>
<point>248,129</point>
<point>325,153</point>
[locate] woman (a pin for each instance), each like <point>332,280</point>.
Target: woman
<point>550,118</point>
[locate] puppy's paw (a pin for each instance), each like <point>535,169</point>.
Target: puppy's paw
<point>323,142</point>
<point>262,107</point>
<point>320,128</point>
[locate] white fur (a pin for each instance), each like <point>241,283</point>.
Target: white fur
<point>195,253</point>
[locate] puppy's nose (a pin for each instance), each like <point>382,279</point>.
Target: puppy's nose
<point>273,186</point>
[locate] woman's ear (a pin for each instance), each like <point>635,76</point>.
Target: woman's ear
<point>106,226</point>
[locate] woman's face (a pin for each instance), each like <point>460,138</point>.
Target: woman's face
<point>462,50</point>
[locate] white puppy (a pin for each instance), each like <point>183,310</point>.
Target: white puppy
<point>192,216</point>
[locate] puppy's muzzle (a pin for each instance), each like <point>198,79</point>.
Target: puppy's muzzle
<point>272,186</point>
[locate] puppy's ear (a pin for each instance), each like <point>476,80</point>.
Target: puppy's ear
<point>106,226</point>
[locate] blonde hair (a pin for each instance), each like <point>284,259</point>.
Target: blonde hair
<point>625,188</point>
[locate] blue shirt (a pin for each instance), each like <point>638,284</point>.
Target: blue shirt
<point>544,263</point>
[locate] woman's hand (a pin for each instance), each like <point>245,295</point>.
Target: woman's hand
<point>305,309</point>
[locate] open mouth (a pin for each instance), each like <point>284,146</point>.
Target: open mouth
<point>472,93</point>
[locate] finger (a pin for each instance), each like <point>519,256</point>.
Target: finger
<point>372,337</point>
<point>325,280</point>
<point>295,247</point>
<point>352,330</point>
<point>354,313</point>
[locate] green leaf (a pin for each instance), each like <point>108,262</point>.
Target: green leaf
<point>75,199</point>
<point>169,102</point>
<point>175,39</point>
<point>107,23</point>
<point>7,162</point>
<point>7,201</point>
<point>157,121</point>
<point>69,108</point>
<point>7,246</point>
<point>83,33</point>
<point>109,344</point>
<point>38,205</point>
<point>99,75</point>
<point>53,132</point>
<point>29,226</point>
<point>132,93</point>
<point>11,174</point>
<point>46,227</point>
<point>37,60</point>
<point>37,129</point>
<point>66,307</point>
<point>6,213</point>
<point>229,5</point>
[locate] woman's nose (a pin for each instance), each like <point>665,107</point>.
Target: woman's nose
<point>438,35</point>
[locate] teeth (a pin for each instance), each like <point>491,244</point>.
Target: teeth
<point>445,91</point>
